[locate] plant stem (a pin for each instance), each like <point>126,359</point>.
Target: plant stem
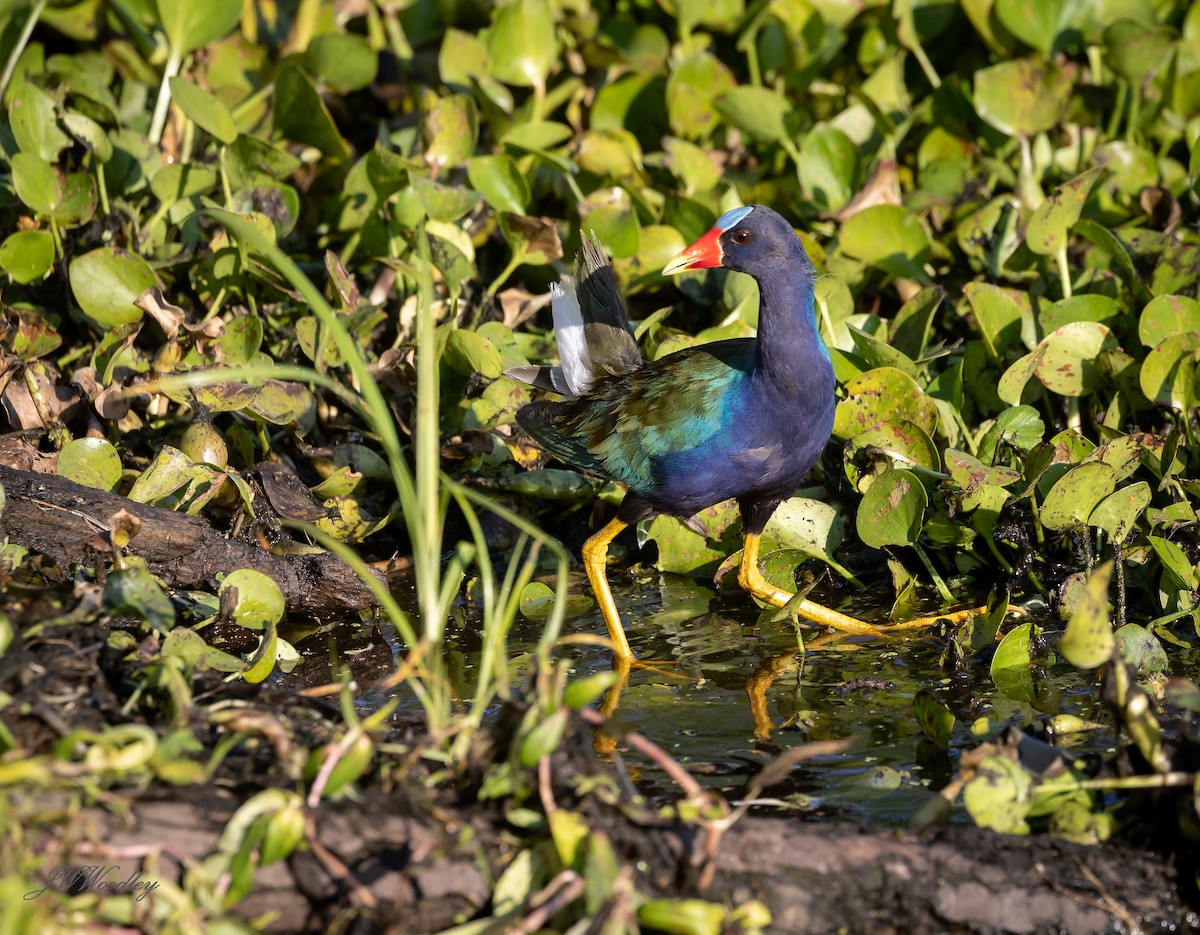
<point>159,120</point>
<point>517,259</point>
<point>10,67</point>
<point>225,177</point>
<point>933,573</point>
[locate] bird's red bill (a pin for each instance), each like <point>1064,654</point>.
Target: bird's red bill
<point>703,254</point>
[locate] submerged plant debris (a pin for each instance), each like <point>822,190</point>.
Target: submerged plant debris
<point>291,634</point>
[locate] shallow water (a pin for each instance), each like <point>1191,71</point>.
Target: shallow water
<point>699,710</point>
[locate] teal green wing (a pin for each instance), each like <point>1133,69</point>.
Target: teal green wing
<point>625,426</point>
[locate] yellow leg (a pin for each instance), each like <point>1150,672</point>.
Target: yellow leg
<point>595,555</point>
<point>751,578</point>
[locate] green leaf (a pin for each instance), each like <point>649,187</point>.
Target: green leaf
<point>1071,500</point>
<point>889,237</point>
<point>1169,373</point>
<point>692,87</point>
<point>92,462</point>
<point>190,25</point>
<point>1142,650</point>
<point>522,43</point>
<point>1054,217</point>
<point>301,115</point>
<point>134,590</point>
<point>500,182</point>
<point>1088,640</point>
<point>27,255</point>
<point>259,601</point>
<point>1068,365</point>
<point>892,510</point>
<point>882,395</point>
<point>34,122</point>
<point>204,110</point>
<point>36,183</point>
<point>1167,316</point>
<point>1003,315</point>
<point>1117,513</point>
<point>760,112</point>
<point>934,718</point>
<point>1000,795</point>
<point>106,282</point>
<point>343,61</point>
<point>1023,96</point>
<point>449,129</point>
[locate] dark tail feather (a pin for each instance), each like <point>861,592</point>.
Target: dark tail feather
<point>610,343</point>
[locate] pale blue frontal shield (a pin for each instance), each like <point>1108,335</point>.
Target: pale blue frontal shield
<point>732,216</point>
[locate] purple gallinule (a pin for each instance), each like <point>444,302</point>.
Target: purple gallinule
<point>743,418</point>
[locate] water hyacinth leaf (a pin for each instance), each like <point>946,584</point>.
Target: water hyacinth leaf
<point>1071,500</point>
<point>1012,383</point>
<point>543,739</point>
<point>189,25</point>
<point>469,352</point>
<point>27,256</point>
<point>301,114</point>
<point>911,326</point>
<point>684,551</point>
<point>1003,315</point>
<point>934,718</point>
<point>692,87</point>
<point>204,110</point>
<point>810,526</point>
<point>690,916</point>
<point>969,472</point>
<point>1019,427</point>
<point>1000,795</point>
<point>1054,217</point>
<point>759,112</point>
<point>1168,316</point>
<point>522,43</point>
<point>1023,96</point>
<point>1087,307</point>
<point>1013,663</point>
<point>500,182</point>
<point>881,395</point>
<point>107,282</point>
<point>691,165</point>
<point>1139,51</point>
<point>1175,563</point>
<point>135,591</point>
<point>92,462</point>
<point>444,202</point>
<point>259,601</point>
<point>1117,513</point>
<point>1107,241</point>
<point>889,237</point>
<point>173,480</point>
<point>878,353</point>
<point>1088,640</point>
<point>282,402</point>
<point>343,61</point>
<point>1068,366</point>
<point>1169,373</point>
<point>1037,23</point>
<point>537,602</point>
<point>180,181</point>
<point>1141,649</point>
<point>88,132</point>
<point>895,443</point>
<point>34,123</point>
<point>37,183</point>
<point>892,510</point>
<point>449,128</point>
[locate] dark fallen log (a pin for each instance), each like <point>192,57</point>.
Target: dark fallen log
<point>57,518</point>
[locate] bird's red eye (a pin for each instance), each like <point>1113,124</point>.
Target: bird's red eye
<point>741,237</point>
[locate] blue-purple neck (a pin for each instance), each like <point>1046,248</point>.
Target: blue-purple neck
<point>790,348</point>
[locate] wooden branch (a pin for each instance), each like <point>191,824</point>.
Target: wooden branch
<point>57,518</point>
